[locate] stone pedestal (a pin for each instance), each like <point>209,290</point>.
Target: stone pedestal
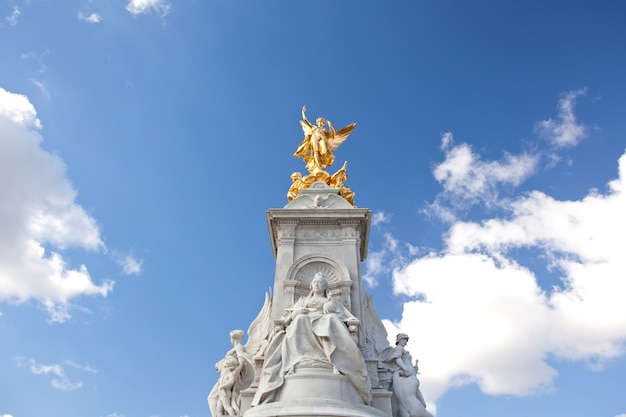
<point>318,231</point>
<point>314,383</point>
<point>317,234</point>
<point>314,408</point>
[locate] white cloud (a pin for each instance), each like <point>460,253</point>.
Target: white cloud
<point>482,311</point>
<point>18,110</point>
<point>90,18</point>
<point>85,368</point>
<point>39,218</point>
<point>39,59</point>
<point>130,265</point>
<point>161,7</point>
<point>12,19</point>
<point>480,316</point>
<point>466,177</point>
<point>379,218</point>
<point>383,261</point>
<point>565,131</point>
<point>41,86</point>
<point>59,381</point>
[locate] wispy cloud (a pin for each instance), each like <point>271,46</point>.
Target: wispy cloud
<point>41,86</point>
<point>382,262</point>
<point>38,58</point>
<point>59,379</point>
<point>566,131</point>
<point>161,7</point>
<point>89,18</point>
<point>85,368</point>
<point>14,16</point>
<point>130,265</point>
<point>466,178</point>
<point>380,217</point>
<point>39,218</point>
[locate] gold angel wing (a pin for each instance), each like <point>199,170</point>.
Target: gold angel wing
<point>339,177</point>
<point>339,136</point>
<point>261,329</point>
<point>305,146</point>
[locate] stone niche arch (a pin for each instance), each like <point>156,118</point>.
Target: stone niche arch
<point>300,275</point>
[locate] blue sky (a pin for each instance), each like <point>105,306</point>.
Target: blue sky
<point>142,141</point>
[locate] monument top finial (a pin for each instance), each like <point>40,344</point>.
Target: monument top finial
<point>319,142</point>
<point>316,149</point>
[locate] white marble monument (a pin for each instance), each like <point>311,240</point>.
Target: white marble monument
<point>318,347</point>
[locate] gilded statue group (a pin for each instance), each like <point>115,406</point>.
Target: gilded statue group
<point>316,149</point>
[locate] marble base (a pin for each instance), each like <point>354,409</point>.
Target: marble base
<point>319,392</point>
<point>318,383</point>
<point>313,407</point>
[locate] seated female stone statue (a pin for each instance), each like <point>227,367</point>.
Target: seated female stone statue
<point>316,336</point>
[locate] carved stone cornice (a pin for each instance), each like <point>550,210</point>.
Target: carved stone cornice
<point>335,224</point>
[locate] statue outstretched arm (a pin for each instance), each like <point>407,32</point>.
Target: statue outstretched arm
<point>305,121</point>
<point>332,129</point>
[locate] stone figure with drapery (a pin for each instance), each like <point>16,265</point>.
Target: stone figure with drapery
<point>317,334</point>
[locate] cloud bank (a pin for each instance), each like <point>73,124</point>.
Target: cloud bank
<point>39,218</point>
<point>483,312</point>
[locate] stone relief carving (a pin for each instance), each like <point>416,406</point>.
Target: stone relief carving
<point>317,234</point>
<point>323,198</point>
<point>350,232</point>
<point>287,231</point>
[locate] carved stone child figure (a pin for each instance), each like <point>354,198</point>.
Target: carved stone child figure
<point>236,373</point>
<point>228,369</point>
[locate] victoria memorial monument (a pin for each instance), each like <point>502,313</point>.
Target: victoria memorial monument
<point>318,347</point>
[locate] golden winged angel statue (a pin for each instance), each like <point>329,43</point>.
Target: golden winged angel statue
<point>319,143</point>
